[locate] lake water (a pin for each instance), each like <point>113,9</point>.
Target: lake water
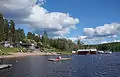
<point>106,65</point>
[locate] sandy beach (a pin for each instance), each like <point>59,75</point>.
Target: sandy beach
<point>20,54</point>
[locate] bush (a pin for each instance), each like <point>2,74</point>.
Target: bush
<point>40,44</point>
<point>29,41</point>
<point>22,49</point>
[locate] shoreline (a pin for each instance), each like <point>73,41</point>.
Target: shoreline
<point>20,54</point>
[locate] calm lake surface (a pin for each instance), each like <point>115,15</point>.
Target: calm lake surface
<point>106,65</point>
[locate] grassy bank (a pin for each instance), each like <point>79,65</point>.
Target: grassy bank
<point>7,51</point>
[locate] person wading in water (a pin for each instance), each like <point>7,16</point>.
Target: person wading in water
<point>59,57</point>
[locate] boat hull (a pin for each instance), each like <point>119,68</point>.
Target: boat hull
<point>4,66</point>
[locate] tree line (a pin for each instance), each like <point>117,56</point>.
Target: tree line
<point>8,32</point>
<point>113,46</point>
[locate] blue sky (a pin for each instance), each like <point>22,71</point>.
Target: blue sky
<point>91,13</point>
<point>96,21</point>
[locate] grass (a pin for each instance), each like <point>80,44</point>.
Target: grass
<point>7,51</point>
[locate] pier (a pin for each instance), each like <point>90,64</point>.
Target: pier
<point>3,66</point>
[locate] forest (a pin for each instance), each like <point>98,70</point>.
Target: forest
<point>8,32</point>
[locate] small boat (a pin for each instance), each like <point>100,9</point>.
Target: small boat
<point>100,52</point>
<point>108,52</point>
<point>62,59</point>
<point>3,66</point>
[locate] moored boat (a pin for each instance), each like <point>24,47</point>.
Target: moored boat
<point>108,52</point>
<point>3,66</point>
<point>100,52</point>
<point>104,52</point>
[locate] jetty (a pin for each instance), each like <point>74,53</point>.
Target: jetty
<point>62,59</point>
<point>3,66</point>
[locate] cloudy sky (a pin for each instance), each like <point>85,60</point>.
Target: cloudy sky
<point>91,21</point>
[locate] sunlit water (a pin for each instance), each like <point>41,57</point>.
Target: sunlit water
<point>106,65</point>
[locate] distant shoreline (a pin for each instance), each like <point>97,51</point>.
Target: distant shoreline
<point>19,54</point>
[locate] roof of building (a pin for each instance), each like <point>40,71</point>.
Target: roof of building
<point>86,50</point>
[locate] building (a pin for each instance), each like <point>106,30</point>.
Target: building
<point>7,44</point>
<point>30,47</point>
<point>86,51</point>
<point>73,52</point>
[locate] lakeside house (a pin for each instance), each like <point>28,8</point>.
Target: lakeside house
<point>29,46</point>
<point>86,51</point>
<point>7,44</point>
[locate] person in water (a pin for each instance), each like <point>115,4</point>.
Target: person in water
<point>59,57</point>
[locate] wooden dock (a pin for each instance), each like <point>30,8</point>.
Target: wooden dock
<point>62,59</point>
<point>3,66</point>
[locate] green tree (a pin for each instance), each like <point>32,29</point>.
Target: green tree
<point>45,39</point>
<point>79,44</point>
<point>30,41</point>
<point>29,35</point>
<point>6,29</point>
<point>40,44</point>
<point>19,35</point>
<point>12,30</point>
<point>1,27</point>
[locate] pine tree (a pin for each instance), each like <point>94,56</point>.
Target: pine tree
<point>12,30</point>
<point>1,27</point>
<point>6,29</point>
<point>78,44</point>
<point>45,39</point>
<point>29,35</point>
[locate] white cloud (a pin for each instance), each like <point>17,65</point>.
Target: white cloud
<point>116,40</point>
<point>16,9</point>
<point>38,18</point>
<point>69,38</point>
<point>74,39</point>
<point>89,32</point>
<point>102,31</point>
<point>101,34</point>
<point>82,37</point>
<point>112,36</point>
<point>104,42</point>
<point>85,40</point>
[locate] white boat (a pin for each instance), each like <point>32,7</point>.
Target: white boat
<point>3,66</point>
<point>108,52</point>
<point>100,52</point>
